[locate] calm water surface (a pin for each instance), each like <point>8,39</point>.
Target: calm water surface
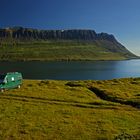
<point>97,70</point>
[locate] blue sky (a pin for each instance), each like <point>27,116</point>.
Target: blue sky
<point>118,17</point>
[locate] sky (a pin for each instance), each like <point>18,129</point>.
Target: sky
<point>118,17</point>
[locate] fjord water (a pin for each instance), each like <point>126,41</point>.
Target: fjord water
<point>74,70</point>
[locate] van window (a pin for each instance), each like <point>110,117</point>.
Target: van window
<point>2,77</point>
<point>13,79</point>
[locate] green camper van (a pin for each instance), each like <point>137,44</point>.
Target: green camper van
<point>10,80</point>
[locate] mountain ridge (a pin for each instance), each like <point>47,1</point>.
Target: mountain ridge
<point>68,34</point>
<point>86,41</point>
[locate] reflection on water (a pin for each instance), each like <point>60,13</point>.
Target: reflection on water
<point>75,70</point>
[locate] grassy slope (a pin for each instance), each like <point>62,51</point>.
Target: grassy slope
<point>51,50</point>
<point>70,110</point>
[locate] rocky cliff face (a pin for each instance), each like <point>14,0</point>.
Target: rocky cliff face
<point>26,33</point>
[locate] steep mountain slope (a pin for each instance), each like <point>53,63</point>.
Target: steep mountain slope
<point>33,44</point>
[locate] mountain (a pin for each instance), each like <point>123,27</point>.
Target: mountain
<point>90,45</point>
<point>27,33</point>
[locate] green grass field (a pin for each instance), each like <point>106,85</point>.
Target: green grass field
<point>71,110</point>
<point>59,51</point>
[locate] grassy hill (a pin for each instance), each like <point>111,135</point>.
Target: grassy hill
<point>62,50</point>
<point>71,110</point>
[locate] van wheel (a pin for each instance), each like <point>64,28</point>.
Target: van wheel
<point>19,86</point>
<point>2,90</point>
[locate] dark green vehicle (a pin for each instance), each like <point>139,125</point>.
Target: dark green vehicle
<point>10,80</point>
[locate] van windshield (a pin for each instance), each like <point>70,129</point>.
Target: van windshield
<point>2,78</point>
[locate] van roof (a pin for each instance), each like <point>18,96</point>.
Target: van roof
<point>13,73</point>
<point>8,73</point>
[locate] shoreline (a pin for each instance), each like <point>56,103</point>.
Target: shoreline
<point>70,60</point>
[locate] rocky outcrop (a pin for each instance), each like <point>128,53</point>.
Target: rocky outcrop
<point>27,33</point>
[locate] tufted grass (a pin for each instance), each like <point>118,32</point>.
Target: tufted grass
<point>69,110</point>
